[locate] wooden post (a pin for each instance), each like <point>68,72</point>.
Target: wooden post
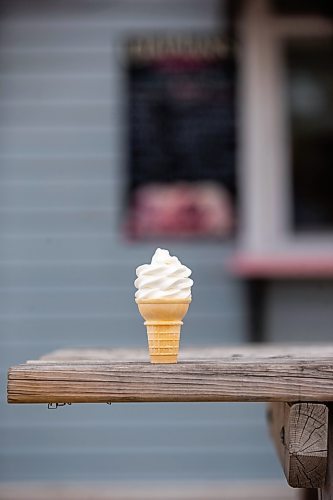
<point>326,493</point>
<point>300,433</point>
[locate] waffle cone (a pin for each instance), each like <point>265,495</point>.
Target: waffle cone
<point>163,322</point>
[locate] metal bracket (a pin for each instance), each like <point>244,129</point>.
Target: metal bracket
<point>54,406</point>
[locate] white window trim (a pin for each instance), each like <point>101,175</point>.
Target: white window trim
<point>263,157</point>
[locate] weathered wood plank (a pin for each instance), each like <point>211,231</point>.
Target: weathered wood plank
<point>239,374</point>
<point>300,433</point>
<point>245,351</point>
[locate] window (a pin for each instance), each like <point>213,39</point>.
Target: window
<point>309,82</point>
<point>286,158</point>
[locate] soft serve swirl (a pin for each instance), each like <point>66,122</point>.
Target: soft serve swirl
<point>165,277</point>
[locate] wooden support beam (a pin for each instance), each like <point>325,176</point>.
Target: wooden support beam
<point>326,493</point>
<point>300,434</point>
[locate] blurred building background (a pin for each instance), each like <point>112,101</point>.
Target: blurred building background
<point>67,269</point>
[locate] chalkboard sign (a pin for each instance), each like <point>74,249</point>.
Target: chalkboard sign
<point>181,121</point>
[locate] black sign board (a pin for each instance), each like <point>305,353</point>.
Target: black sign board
<point>181,112</point>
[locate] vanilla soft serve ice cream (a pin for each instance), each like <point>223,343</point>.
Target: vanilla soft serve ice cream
<point>163,298</point>
<point>165,277</point>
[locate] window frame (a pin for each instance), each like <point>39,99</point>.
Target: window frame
<point>264,173</point>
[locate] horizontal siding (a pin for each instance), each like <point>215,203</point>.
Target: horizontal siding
<point>195,434</point>
<point>226,415</point>
<point>52,114</point>
<point>66,270</point>
<point>59,168</point>
<point>120,438</point>
<point>163,466</point>
<point>99,273</point>
<point>73,247</point>
<point>67,140</point>
<point>86,301</point>
<point>63,88</point>
<point>57,196</point>
<point>300,311</point>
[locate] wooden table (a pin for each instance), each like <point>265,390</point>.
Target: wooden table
<point>296,380</point>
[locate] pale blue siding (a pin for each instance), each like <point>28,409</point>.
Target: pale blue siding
<point>66,271</point>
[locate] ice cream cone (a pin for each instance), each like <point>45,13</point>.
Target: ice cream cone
<point>163,321</point>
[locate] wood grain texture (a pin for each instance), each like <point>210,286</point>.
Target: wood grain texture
<point>300,433</point>
<point>326,492</point>
<point>272,373</point>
